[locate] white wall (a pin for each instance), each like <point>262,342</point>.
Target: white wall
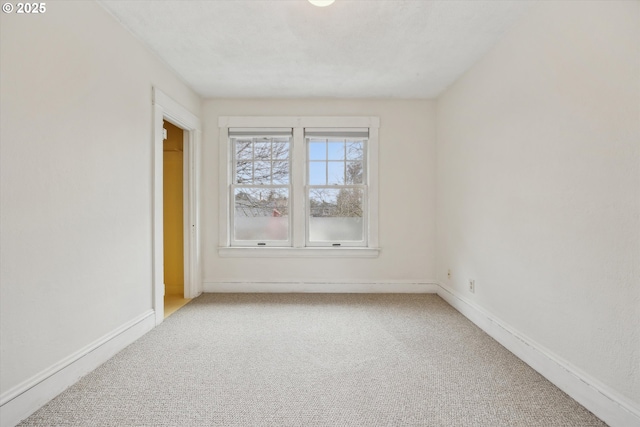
<point>407,185</point>
<point>76,158</point>
<point>538,194</point>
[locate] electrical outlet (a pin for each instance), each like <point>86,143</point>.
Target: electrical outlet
<point>472,286</point>
<point>449,274</point>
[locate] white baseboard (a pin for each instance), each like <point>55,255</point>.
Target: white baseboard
<point>608,405</point>
<point>24,399</point>
<point>407,287</point>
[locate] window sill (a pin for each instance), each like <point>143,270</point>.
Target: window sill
<point>279,252</point>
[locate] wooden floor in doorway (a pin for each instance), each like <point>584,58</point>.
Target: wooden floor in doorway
<point>173,303</point>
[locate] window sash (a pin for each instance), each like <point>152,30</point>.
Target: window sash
<point>343,221</point>
<point>328,161</point>
<point>267,240</point>
<point>251,160</point>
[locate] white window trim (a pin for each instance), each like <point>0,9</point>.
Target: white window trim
<point>298,172</point>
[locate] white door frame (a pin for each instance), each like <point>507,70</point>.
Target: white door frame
<point>165,108</point>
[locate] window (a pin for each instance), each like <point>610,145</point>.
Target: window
<point>261,187</point>
<point>336,187</point>
<point>298,186</point>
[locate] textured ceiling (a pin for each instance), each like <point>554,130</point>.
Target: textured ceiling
<point>292,49</point>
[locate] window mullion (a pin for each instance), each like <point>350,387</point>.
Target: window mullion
<point>326,161</point>
<point>298,198</point>
<point>225,176</point>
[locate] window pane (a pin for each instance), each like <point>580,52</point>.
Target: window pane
<point>335,214</point>
<point>317,150</point>
<point>262,150</point>
<point>280,172</point>
<point>280,150</point>
<point>354,173</point>
<point>336,173</point>
<point>244,172</point>
<point>336,150</point>
<point>355,150</point>
<point>317,173</point>
<point>262,173</point>
<point>261,214</point>
<point>244,149</point>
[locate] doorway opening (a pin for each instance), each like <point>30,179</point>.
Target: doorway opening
<point>173,214</point>
<point>167,113</point>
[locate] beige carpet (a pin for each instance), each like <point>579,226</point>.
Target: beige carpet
<point>314,360</point>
